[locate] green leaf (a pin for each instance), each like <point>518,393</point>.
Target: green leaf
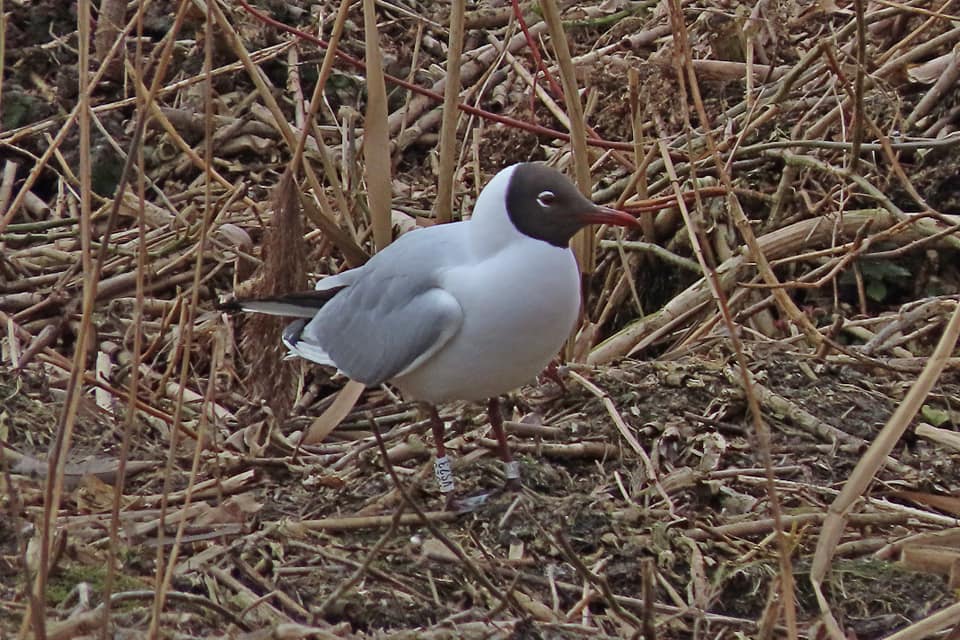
<point>876,290</point>
<point>883,269</point>
<point>936,417</point>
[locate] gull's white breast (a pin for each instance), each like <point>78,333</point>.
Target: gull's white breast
<point>519,306</point>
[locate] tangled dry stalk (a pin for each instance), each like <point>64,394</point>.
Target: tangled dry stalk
<point>758,431</point>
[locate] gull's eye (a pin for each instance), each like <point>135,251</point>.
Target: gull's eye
<point>546,198</point>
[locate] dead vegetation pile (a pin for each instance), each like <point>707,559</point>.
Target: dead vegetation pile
<point>757,431</point>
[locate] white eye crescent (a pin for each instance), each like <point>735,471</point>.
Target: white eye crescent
<point>546,198</point>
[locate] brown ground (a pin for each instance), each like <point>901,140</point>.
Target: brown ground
<point>597,545</point>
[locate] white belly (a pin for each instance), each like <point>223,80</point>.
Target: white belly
<point>518,311</point>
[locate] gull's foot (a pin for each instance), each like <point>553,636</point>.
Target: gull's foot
<point>512,485</point>
<point>467,504</point>
<point>450,502</point>
<point>472,502</point>
<point>552,373</point>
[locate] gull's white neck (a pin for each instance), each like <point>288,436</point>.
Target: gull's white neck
<point>491,229</point>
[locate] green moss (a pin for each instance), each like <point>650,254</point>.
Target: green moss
<point>63,581</point>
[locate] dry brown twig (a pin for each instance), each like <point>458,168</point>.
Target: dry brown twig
<point>872,461</point>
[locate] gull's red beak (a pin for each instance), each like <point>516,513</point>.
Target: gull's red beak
<point>605,215</point>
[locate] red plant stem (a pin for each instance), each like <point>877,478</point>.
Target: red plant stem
<point>481,113</point>
<point>537,58</point>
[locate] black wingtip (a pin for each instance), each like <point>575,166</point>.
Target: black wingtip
<point>229,305</point>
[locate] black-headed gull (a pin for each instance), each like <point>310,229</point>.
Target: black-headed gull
<point>462,311</point>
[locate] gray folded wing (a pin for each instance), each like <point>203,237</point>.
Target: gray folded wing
<point>378,329</point>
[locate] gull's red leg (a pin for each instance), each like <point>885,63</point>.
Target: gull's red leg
<point>442,469</point>
<point>511,468</point>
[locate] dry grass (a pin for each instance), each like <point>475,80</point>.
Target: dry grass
<point>758,434</point>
